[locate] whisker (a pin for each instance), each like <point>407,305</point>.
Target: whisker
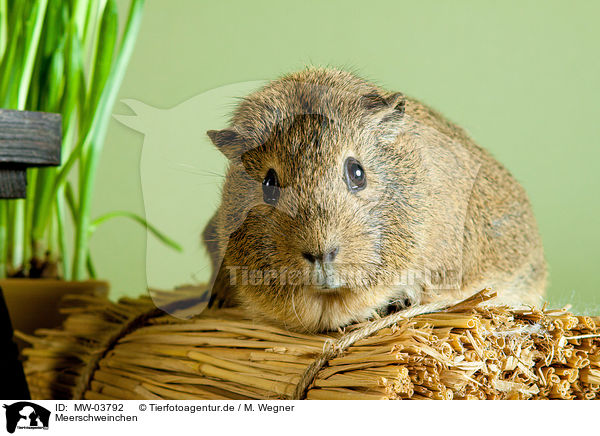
<point>199,172</point>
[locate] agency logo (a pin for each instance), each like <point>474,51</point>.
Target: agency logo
<point>27,416</point>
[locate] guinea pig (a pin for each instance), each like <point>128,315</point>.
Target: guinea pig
<point>343,201</point>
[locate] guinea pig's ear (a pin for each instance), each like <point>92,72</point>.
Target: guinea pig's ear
<point>376,103</point>
<point>228,141</point>
<point>384,113</point>
<point>397,101</point>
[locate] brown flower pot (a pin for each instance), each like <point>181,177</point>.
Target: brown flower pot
<point>33,303</point>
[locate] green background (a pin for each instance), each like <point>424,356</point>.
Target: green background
<point>520,76</point>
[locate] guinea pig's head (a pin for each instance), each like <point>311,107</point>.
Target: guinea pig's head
<point>318,207</point>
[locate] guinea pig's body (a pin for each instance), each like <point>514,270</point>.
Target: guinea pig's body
<point>342,200</point>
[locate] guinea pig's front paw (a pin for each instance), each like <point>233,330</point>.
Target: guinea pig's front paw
<point>397,305</point>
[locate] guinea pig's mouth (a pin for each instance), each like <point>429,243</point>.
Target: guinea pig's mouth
<point>326,289</point>
<point>329,285</point>
<point>326,283</point>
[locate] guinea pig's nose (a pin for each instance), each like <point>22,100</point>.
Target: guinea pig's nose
<point>322,257</point>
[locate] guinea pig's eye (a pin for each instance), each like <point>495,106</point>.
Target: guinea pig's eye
<point>270,186</point>
<point>356,179</point>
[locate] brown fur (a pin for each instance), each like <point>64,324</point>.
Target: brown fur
<point>434,201</point>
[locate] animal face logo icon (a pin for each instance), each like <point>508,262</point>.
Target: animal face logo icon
<point>26,415</point>
<point>179,188</point>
